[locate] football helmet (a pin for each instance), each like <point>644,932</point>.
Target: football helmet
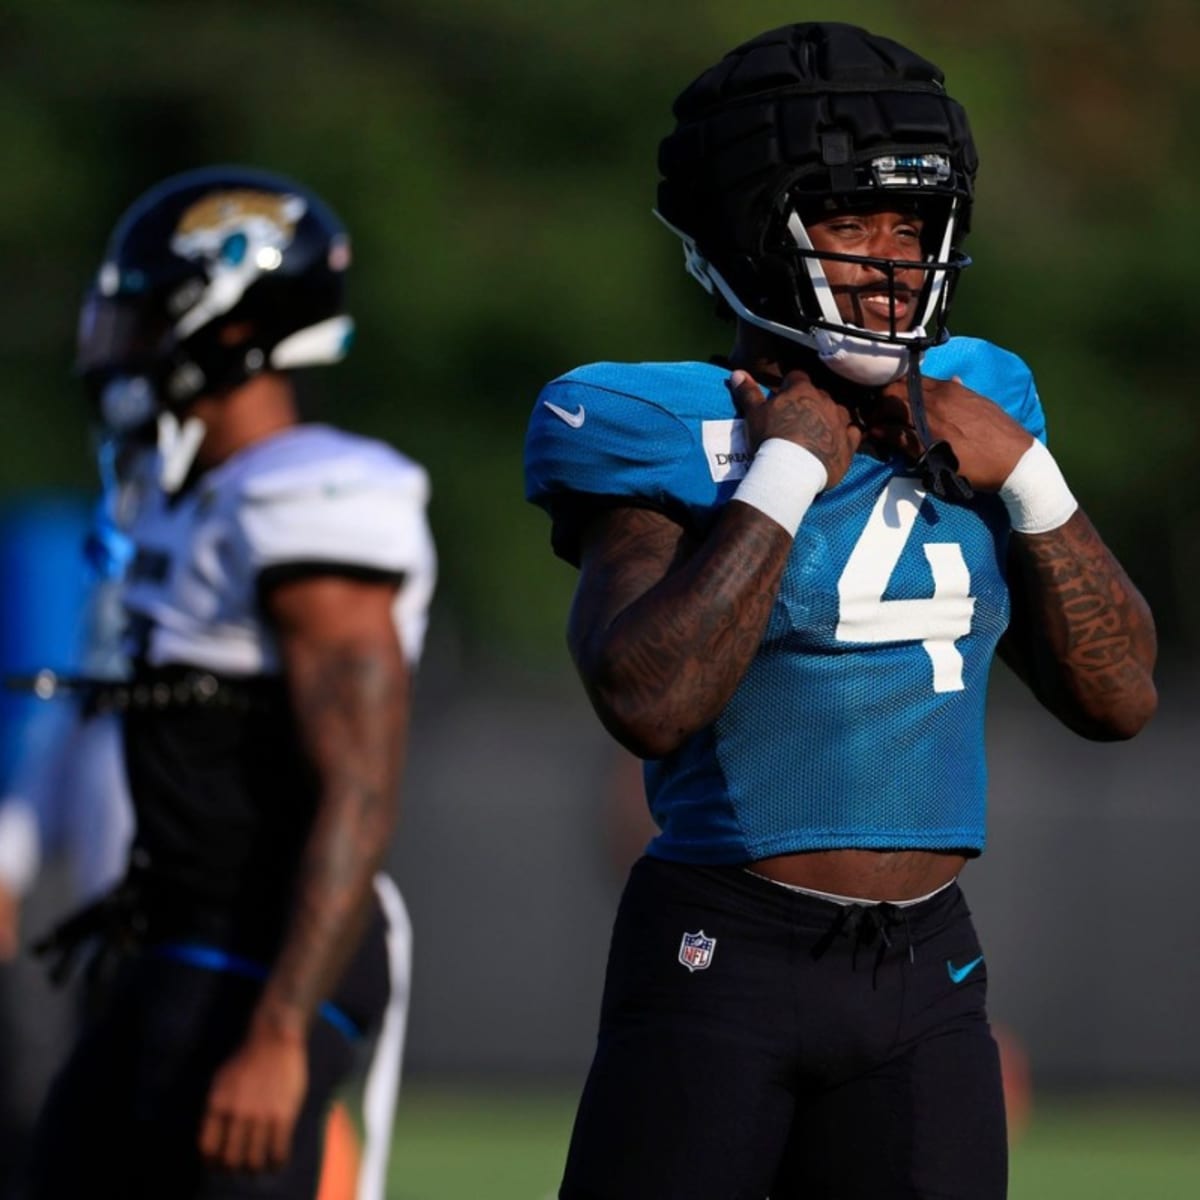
<point>209,278</point>
<point>802,122</point>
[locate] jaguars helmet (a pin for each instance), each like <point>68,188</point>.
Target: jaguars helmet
<point>804,121</point>
<point>209,278</point>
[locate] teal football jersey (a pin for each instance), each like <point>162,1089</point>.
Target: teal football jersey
<point>860,720</point>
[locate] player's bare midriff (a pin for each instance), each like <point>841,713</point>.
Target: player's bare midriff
<point>865,874</point>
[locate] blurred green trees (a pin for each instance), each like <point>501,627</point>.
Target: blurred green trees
<point>495,162</point>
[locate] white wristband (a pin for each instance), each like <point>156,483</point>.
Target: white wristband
<point>782,482</point>
<point>1036,494</point>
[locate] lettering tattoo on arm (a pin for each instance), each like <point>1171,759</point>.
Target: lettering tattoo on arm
<point>663,626</point>
<point>1081,636</point>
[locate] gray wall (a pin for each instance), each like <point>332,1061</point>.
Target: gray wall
<point>1086,898</point>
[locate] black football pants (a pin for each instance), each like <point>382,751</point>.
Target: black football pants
<point>812,1051</point>
<point>123,1117</point>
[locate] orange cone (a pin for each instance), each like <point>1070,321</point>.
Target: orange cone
<point>1018,1082</point>
<point>339,1168</point>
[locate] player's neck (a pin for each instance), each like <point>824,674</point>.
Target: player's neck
<point>767,357</point>
<point>257,409</point>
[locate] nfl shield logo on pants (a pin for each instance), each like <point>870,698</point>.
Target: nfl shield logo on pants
<point>696,950</point>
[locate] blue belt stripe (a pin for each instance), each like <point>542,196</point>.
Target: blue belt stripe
<point>209,958</point>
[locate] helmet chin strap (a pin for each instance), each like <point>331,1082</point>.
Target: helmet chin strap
<point>712,281</point>
<point>178,444</point>
<point>861,360</point>
<point>128,403</point>
<point>938,464</point>
<point>870,364</point>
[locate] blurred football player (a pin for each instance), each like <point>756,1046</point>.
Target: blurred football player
<point>277,599</point>
<point>65,791</point>
<point>63,799</point>
<point>796,565</point>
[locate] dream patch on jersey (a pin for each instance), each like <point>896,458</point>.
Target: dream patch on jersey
<point>726,449</point>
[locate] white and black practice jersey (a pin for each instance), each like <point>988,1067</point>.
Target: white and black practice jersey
<point>223,787</point>
<point>310,500</point>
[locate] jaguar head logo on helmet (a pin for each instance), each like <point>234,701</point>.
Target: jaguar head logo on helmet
<point>209,278</point>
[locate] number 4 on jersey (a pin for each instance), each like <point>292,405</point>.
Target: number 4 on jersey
<point>935,621</point>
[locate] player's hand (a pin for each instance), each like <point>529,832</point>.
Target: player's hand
<point>253,1104</point>
<point>986,440</point>
<point>10,924</point>
<point>799,412</point>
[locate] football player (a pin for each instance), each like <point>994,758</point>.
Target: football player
<point>277,599</point>
<point>796,565</point>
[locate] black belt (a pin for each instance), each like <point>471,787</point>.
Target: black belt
<point>192,689</point>
<point>153,691</point>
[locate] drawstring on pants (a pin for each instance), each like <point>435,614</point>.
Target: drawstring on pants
<point>866,925</point>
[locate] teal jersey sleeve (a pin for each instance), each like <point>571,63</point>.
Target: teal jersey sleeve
<point>626,433</point>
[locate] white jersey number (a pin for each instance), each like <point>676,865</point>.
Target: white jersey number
<point>936,621</point>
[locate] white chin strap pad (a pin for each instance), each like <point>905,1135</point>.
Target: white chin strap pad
<point>871,364</point>
<point>178,444</point>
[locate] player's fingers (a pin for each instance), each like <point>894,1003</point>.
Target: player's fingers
<point>279,1143</point>
<point>799,380</point>
<point>909,444</point>
<point>256,1146</point>
<point>213,1135</point>
<point>238,1134</point>
<point>746,393</point>
<point>886,405</point>
<point>951,389</point>
<point>895,436</point>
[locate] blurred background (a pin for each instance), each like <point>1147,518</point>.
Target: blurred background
<point>495,162</point>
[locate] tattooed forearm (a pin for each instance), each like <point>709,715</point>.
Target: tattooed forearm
<point>1090,636</point>
<point>351,704</point>
<point>662,632</point>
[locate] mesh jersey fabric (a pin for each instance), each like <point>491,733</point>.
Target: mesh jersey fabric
<point>860,721</point>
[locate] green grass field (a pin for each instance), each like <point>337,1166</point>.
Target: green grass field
<point>474,1145</point>
<point>1114,1151</point>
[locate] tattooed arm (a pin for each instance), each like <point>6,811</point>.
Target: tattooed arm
<point>663,627</point>
<point>1081,635</point>
<point>349,684</point>
<point>662,630</point>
